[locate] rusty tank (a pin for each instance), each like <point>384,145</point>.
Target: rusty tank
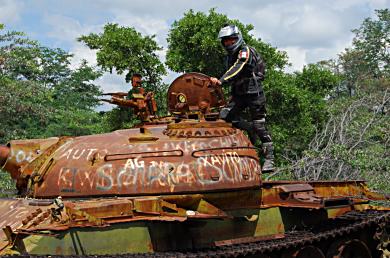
<point>185,185</point>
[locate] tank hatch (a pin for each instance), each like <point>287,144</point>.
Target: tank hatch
<point>191,95</point>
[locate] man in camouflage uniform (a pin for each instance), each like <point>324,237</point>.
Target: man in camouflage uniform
<point>245,73</point>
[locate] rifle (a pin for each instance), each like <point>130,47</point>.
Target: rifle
<point>116,94</point>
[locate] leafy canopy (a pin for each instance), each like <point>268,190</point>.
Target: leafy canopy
<point>372,39</point>
<point>369,56</point>
<point>193,45</point>
<point>40,94</point>
<point>127,51</point>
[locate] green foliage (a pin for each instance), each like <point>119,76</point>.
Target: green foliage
<point>294,112</point>
<point>317,79</point>
<point>76,89</point>
<point>40,94</point>
<point>118,118</point>
<point>369,56</point>
<point>372,39</point>
<point>160,94</point>
<point>193,45</point>
<point>126,50</point>
<point>24,108</point>
<point>7,186</point>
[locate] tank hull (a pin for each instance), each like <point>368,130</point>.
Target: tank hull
<point>184,223</point>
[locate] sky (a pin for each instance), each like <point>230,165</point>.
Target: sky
<point>309,31</point>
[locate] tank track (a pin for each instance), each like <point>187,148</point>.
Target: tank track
<point>332,229</point>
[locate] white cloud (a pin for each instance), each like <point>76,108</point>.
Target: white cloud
<point>67,29</point>
<point>379,4</point>
<point>298,57</point>
<point>316,27</point>
<point>166,9</point>
<point>287,24</point>
<point>113,83</point>
<point>145,24</point>
<point>371,4</point>
<point>10,11</point>
<point>318,54</point>
<point>82,52</point>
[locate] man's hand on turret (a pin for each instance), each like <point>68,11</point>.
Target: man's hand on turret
<point>215,81</point>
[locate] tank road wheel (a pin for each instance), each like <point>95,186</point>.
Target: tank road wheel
<point>348,249</point>
<point>383,236</point>
<point>305,252</point>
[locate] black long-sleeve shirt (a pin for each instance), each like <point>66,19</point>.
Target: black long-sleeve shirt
<point>243,58</point>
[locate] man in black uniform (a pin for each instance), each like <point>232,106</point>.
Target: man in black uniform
<point>245,73</point>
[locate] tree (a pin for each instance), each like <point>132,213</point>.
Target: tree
<point>126,50</point>
<point>77,89</point>
<point>372,39</point>
<point>317,79</point>
<point>193,45</point>
<point>24,109</point>
<point>39,92</point>
<point>369,56</point>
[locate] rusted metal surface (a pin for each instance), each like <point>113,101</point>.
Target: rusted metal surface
<point>27,217</point>
<point>23,152</point>
<point>4,152</point>
<point>193,92</point>
<point>296,188</point>
<point>117,164</point>
<point>191,129</point>
<point>12,213</point>
<point>318,194</point>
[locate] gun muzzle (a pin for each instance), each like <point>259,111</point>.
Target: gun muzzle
<point>4,153</point>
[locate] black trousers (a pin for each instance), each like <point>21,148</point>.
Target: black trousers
<point>256,105</point>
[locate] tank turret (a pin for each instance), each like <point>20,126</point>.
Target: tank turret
<point>152,159</point>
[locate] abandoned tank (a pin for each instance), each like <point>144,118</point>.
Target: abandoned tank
<point>185,185</point>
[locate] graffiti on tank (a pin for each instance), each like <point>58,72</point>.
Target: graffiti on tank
<point>21,156</point>
<point>77,154</point>
<point>12,216</point>
<point>187,146</point>
<point>136,173</point>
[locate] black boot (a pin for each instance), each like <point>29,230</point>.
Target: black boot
<point>268,165</point>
